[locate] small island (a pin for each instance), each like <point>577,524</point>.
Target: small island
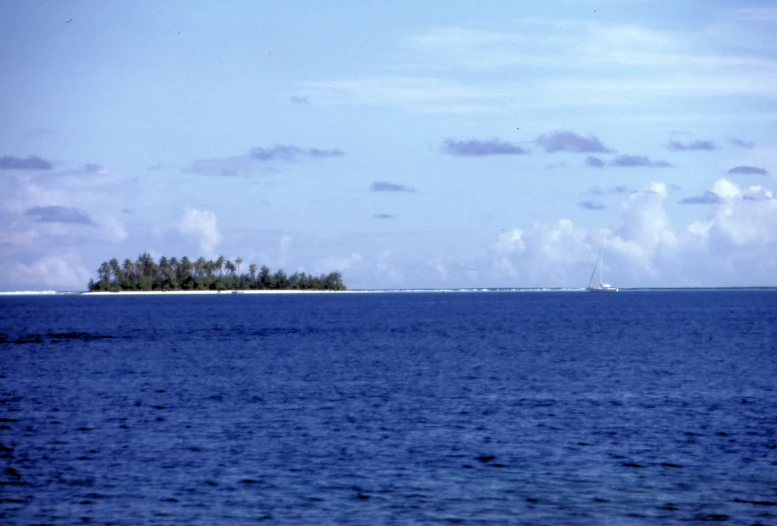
<point>145,274</point>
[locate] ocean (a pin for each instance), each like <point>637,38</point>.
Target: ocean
<point>546,408</point>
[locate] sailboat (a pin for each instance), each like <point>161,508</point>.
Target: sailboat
<point>601,287</point>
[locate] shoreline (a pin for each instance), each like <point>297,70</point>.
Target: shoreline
<point>372,291</point>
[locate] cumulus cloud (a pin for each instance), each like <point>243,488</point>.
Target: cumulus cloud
<point>742,144</point>
<point>477,148</point>
<point>645,228</point>
<point>59,214</point>
<point>629,161</point>
<point>384,186</point>
<point>58,272</point>
<point>561,253</point>
<point>9,162</point>
<point>200,225</point>
<point>747,170</point>
<point>591,205</point>
<point>745,220</point>
<point>567,141</point>
<point>675,146</point>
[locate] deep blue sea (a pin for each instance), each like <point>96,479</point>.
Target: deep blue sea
<point>552,408</point>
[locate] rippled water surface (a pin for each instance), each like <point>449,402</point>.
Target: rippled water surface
<point>418,408</point>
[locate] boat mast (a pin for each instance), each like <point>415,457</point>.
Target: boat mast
<point>601,267</point>
<point>590,281</point>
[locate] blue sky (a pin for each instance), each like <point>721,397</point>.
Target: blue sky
<point>407,144</point>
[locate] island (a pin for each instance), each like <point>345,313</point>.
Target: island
<point>146,274</point>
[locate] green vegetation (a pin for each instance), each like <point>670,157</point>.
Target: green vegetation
<point>221,274</point>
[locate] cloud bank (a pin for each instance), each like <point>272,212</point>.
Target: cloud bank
<point>59,214</point>
<point>259,159</point>
<point>675,146</point>
<point>477,148</point>
<point>567,141</point>
<point>627,161</point>
<point>747,170</point>
<point>33,162</point>
<point>281,152</point>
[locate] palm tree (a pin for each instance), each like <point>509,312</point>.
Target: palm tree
<point>104,272</point>
<point>116,269</point>
<point>140,269</point>
<point>129,269</point>
<point>185,270</point>
<point>199,266</point>
<point>238,261</point>
<point>264,276</point>
<point>174,264</point>
<point>220,264</point>
<point>252,272</point>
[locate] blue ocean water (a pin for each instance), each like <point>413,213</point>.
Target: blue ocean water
<point>418,408</point>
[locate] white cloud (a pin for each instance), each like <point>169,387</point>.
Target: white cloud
<point>603,64</point>
<point>63,272</point>
<point>744,218</point>
<point>285,247</point>
<point>200,225</point>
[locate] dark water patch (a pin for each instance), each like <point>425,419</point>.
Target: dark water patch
<point>713,517</point>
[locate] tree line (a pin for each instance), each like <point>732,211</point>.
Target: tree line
<point>220,274</point>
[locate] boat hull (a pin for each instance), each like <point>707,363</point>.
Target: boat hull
<point>602,289</point>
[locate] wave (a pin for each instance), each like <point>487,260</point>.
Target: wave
<point>28,293</point>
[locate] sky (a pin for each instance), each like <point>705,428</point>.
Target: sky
<point>406,144</point>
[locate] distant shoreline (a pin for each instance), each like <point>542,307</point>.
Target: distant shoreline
<point>370,291</point>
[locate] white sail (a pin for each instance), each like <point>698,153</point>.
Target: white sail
<point>602,286</point>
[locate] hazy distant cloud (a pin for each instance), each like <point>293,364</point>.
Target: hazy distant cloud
<point>200,225</point>
<point>247,164</point>
<point>676,146</point>
<point>296,99</point>
<point>594,162</point>
<point>93,168</point>
<point>40,131</point>
<point>567,141</point>
<point>748,170</point>
<point>626,161</point>
<point>591,205</point>
<point>638,161</point>
<point>741,143</point>
<point>476,148</point>
<point>58,214</point>
<point>383,186</point>
<point>384,216</point>
<point>617,190</point>
<point>222,166</point>
<point>158,166</point>
<point>707,198</point>
<point>33,162</point>
<point>281,152</point>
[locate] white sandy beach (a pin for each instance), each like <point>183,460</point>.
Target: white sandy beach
<point>200,292</point>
